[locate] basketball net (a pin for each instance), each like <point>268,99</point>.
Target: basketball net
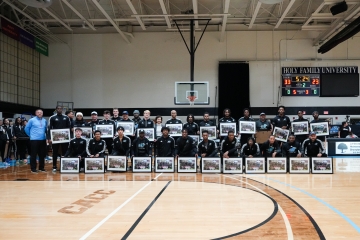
<point>191,100</point>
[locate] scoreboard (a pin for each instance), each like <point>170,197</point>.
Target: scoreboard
<point>300,85</point>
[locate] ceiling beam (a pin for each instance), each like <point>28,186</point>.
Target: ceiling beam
<point>256,11</point>
<point>26,15</point>
<point>224,21</point>
<point>79,14</point>
<point>316,12</point>
<point>285,13</point>
<point>163,8</point>
<point>195,10</point>
<point>110,20</point>
<point>135,12</point>
<point>58,19</point>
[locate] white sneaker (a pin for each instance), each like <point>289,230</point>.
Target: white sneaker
<point>54,170</point>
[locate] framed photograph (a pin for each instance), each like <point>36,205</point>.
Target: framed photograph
<point>69,165</point>
<point>175,129</point>
<point>211,130</point>
<point>149,133</point>
<point>60,135</point>
<point>164,164</point>
<point>116,163</point>
<point>247,127</point>
<point>300,128</point>
<point>276,165</point>
<point>195,138</point>
<point>281,134</point>
<point>128,127</point>
<point>299,165</point>
<point>94,165</point>
<point>233,165</point>
<point>86,132</point>
<point>226,127</point>
<point>141,164</point>
<point>321,128</point>
<point>255,165</point>
<point>321,165</point>
<point>187,164</point>
<point>210,165</point>
<point>107,130</point>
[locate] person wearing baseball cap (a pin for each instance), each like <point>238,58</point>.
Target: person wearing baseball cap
<point>121,144</point>
<point>94,120</point>
<point>136,118</point>
<point>125,118</point>
<point>165,145</point>
<point>313,147</point>
<point>262,124</point>
<point>141,146</point>
<point>77,147</point>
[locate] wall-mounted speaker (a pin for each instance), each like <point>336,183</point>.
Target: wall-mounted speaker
<point>339,8</point>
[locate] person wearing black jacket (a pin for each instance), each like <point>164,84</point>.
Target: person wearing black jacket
<point>70,115</point>
<point>77,147</point>
<point>313,147</point>
<point>229,146</point>
<point>191,125</point>
<point>281,121</point>
<point>316,119</point>
<point>96,146</point>
<point>271,148</point>
<point>58,121</point>
<point>116,116</point>
<point>94,120</point>
<point>185,146</point>
<point>207,148</point>
<point>246,118</point>
<point>300,138</point>
<point>21,139</point>
<point>108,121</point>
<point>344,130</point>
<point>165,145</point>
<point>291,148</point>
<point>4,139</point>
<point>121,144</point>
<point>226,119</point>
<point>250,149</point>
<point>146,122</point>
<point>173,119</point>
<point>79,121</point>
<point>206,122</point>
<point>136,118</point>
<point>141,146</point>
<point>9,131</point>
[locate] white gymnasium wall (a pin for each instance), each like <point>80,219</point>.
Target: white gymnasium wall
<point>103,71</point>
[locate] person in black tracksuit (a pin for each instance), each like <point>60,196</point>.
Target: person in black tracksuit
<point>96,147</point>
<point>108,121</point>
<point>141,146</point>
<point>290,149</point>
<point>301,138</point>
<point>344,130</point>
<point>58,121</point>
<point>226,119</point>
<point>70,115</point>
<point>271,148</point>
<point>22,140</point>
<point>250,149</point>
<point>121,144</point>
<point>94,120</point>
<point>313,147</point>
<point>136,118</point>
<point>206,148</point>
<point>4,139</point>
<point>146,122</point>
<point>316,119</point>
<point>77,147</point>
<point>206,122</point>
<point>9,131</point>
<point>191,125</point>
<point>229,146</point>
<point>116,116</point>
<point>244,136</point>
<point>79,121</point>
<point>185,146</point>
<point>165,145</point>
<point>281,121</point>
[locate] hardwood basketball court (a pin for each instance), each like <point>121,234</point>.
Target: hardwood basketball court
<point>178,205</point>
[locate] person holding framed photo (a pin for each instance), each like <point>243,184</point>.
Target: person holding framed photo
<point>185,146</point>
<point>301,137</point>
<point>229,146</point>
<point>271,148</point>
<point>94,120</point>
<point>125,118</point>
<point>191,125</point>
<point>79,120</point>
<point>226,119</point>
<point>173,119</point>
<point>291,148</point>
<point>316,119</point>
<point>116,116</point>
<point>141,146</point>
<point>146,122</point>
<point>313,147</point>
<point>58,121</point>
<point>207,147</point>
<point>281,120</point>
<point>77,148</point>
<point>165,145</point>
<point>96,147</point>
<point>121,144</point>
<point>244,136</point>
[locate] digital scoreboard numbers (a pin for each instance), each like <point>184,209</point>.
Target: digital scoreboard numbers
<point>300,85</point>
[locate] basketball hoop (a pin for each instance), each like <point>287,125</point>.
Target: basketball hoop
<point>191,100</point>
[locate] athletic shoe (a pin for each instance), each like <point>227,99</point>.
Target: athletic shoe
<point>82,169</point>
<point>41,170</point>
<point>54,170</point>
<point>34,172</point>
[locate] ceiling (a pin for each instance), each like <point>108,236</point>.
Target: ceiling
<point>128,16</point>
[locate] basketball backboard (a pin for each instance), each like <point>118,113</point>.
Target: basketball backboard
<point>191,93</point>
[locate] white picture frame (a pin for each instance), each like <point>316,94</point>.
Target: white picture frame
<point>196,139</point>
<point>321,165</point>
<point>87,132</point>
<point>149,133</point>
<point>276,165</point>
<point>281,134</point>
<point>300,128</point>
<point>299,165</point>
<point>226,127</point>
<point>175,129</point>
<point>94,165</point>
<point>255,165</point>
<point>211,130</point>
<point>116,163</point>
<point>320,128</point>
<point>69,165</point>
<point>141,164</point>
<point>233,165</point>
<point>164,164</point>
<point>187,164</point>
<point>60,135</point>
<point>211,165</point>
<point>247,127</point>
<point>128,126</point>
<point>107,130</point>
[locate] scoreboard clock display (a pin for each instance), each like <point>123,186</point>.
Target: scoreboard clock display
<point>300,85</point>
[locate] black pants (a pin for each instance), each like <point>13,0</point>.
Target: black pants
<point>2,149</point>
<point>56,147</point>
<point>21,149</point>
<point>109,146</point>
<point>38,147</point>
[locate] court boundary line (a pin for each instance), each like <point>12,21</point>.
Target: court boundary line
<point>86,235</point>
<point>286,220</point>
<point>127,234</point>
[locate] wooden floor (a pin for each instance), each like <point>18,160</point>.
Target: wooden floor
<point>178,206</point>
